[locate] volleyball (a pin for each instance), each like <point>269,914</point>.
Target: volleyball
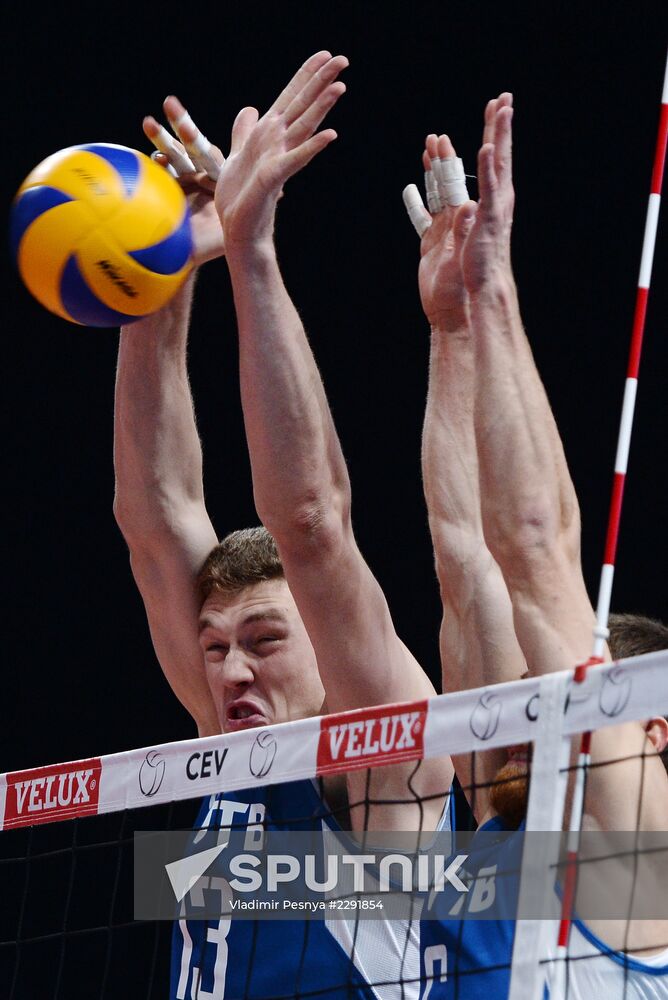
<point>101,234</point>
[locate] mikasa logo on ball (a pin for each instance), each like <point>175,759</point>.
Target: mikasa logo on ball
<point>108,268</point>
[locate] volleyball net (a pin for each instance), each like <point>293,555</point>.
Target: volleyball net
<point>101,899</point>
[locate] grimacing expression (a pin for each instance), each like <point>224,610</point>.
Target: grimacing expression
<point>259,661</point>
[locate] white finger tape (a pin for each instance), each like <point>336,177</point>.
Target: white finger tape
<point>206,162</point>
<point>417,213</point>
<point>181,163</point>
<point>178,123</point>
<point>431,188</point>
<point>451,181</point>
<point>200,152</point>
<point>200,145</point>
<point>199,148</point>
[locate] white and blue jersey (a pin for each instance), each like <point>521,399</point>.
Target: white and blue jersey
<point>329,959</point>
<point>471,959</point>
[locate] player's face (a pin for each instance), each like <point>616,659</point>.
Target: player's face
<point>259,661</point>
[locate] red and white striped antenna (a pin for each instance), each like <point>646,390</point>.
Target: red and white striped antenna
<point>621,462</point>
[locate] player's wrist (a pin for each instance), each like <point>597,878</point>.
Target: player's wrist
<point>450,324</point>
<point>248,229</point>
<point>176,311</point>
<point>451,319</point>
<point>496,291</point>
<point>248,249</point>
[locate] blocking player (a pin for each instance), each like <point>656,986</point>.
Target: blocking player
<point>505,515</point>
<point>284,631</point>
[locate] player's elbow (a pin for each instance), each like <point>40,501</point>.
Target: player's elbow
<point>141,534</point>
<point>162,523</point>
<point>534,534</point>
<point>314,527</point>
<point>461,557</point>
<point>124,515</point>
<point>133,519</point>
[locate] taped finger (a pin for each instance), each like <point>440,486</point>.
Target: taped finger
<point>417,213</point>
<point>451,181</point>
<point>165,144</point>
<point>199,149</point>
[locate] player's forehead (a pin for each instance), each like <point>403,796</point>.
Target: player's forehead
<point>267,602</point>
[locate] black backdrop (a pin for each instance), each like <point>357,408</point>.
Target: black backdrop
<point>80,677</point>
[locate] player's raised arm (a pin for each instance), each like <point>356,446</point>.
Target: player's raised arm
<point>300,480</point>
<point>530,510</point>
<point>159,501</point>
<point>477,639</point>
<point>529,506</point>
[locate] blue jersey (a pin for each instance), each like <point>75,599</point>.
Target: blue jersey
<point>471,959</point>
<point>260,959</point>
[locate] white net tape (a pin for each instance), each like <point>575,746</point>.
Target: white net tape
<point>477,720</point>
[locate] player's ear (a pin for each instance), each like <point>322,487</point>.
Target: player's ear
<point>657,731</point>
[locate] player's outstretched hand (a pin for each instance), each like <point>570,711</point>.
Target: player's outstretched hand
<point>196,164</point>
<point>463,243</point>
<point>265,152</point>
<point>486,252</point>
<point>443,230</point>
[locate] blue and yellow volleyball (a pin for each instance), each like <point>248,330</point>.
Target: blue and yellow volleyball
<point>101,234</point>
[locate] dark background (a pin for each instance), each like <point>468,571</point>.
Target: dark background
<point>80,677</point>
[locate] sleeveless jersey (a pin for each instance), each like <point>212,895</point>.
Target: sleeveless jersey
<point>471,959</point>
<point>260,959</point>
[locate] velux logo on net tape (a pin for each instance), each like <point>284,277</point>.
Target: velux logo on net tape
<point>56,792</point>
<point>385,735</point>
